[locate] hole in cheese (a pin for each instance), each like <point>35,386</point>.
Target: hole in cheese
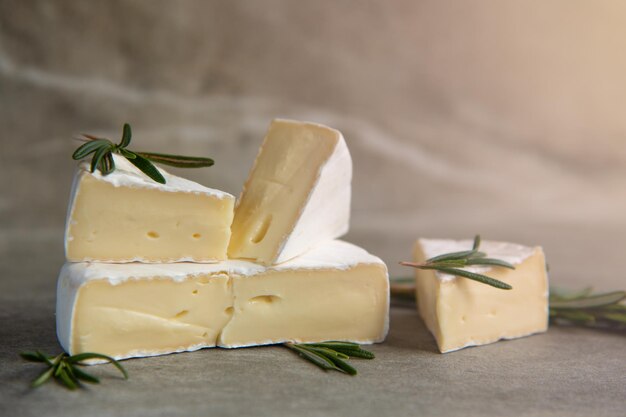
<point>266,299</point>
<point>229,311</point>
<point>181,313</point>
<point>152,234</point>
<point>196,235</point>
<point>262,229</point>
<point>194,292</point>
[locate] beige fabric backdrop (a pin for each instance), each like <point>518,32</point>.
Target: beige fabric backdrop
<point>499,117</point>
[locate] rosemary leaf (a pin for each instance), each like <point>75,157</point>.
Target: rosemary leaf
<point>594,301</point>
<point>617,317</point>
<point>561,293</point>
<point>489,261</point>
<point>126,135</point>
<point>313,357</point>
<point>97,158</point>
<point>147,168</point>
<point>477,277</point>
<point>342,365</point>
<point>451,256</point>
<point>355,352</point>
<point>45,376</point>
<point>108,164</point>
<point>90,147</point>
<point>476,242</point>
<point>84,376</point>
<point>32,357</point>
<point>177,160</point>
<point>77,359</point>
<point>577,316</point>
<point>352,350</point>
<point>328,352</point>
<point>127,154</point>
<point>65,379</point>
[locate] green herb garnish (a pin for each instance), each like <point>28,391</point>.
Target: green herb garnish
<point>103,150</point>
<point>64,368</point>
<point>450,263</point>
<point>331,355</point>
<point>583,308</point>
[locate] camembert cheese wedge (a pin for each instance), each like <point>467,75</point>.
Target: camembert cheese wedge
<point>336,291</point>
<point>460,312</point>
<point>125,216</point>
<point>297,195</point>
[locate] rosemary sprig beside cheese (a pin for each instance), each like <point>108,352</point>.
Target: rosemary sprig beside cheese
<point>450,263</point>
<point>331,355</point>
<point>103,150</point>
<point>64,368</point>
<point>583,308</point>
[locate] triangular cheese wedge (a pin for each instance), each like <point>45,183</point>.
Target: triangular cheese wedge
<point>125,216</point>
<point>297,194</point>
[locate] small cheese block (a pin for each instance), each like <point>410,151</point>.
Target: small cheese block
<point>297,195</point>
<point>125,216</point>
<point>335,292</point>
<point>460,312</point>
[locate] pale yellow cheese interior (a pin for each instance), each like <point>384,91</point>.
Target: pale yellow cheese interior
<point>309,306</point>
<point>277,189</point>
<point>461,312</point>
<point>158,315</point>
<point>117,224</point>
<point>150,316</point>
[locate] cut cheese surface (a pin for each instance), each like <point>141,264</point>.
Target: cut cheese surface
<point>125,217</point>
<point>334,292</point>
<point>460,312</point>
<point>297,195</point>
<point>309,306</point>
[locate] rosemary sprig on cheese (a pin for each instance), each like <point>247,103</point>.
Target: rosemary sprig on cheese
<point>583,308</point>
<point>450,263</point>
<point>331,355</point>
<point>64,368</point>
<point>103,150</point>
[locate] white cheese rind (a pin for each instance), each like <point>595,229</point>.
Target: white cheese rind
<point>326,214</point>
<point>337,258</point>
<point>335,254</point>
<point>460,312</point>
<point>127,175</point>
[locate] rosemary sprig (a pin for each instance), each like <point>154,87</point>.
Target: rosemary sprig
<point>450,263</point>
<point>64,368</point>
<point>583,308</point>
<point>103,150</point>
<point>331,355</point>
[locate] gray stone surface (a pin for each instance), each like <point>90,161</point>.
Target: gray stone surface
<point>504,118</point>
<point>565,372</point>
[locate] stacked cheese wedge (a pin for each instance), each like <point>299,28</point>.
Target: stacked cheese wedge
<point>155,269</point>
